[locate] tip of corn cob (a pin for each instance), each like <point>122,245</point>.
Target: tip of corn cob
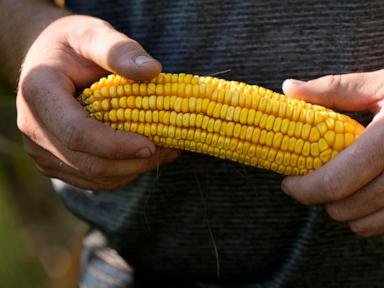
<point>227,119</point>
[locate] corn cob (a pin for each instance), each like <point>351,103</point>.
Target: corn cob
<point>227,119</point>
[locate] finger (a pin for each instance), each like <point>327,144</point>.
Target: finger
<point>66,120</point>
<point>362,203</point>
<point>114,51</point>
<point>106,184</point>
<point>92,167</point>
<point>348,172</point>
<point>371,225</point>
<point>353,92</point>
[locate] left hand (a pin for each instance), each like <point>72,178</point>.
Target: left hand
<point>351,185</point>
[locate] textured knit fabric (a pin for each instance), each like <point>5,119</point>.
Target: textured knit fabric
<point>202,219</point>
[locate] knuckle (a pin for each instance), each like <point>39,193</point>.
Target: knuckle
<point>335,212</point>
<point>73,137</point>
<point>333,186</point>
<point>88,32</point>
<point>333,81</point>
<point>92,168</point>
<point>360,230</point>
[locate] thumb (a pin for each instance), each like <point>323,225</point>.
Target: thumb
<point>115,52</point>
<point>351,92</point>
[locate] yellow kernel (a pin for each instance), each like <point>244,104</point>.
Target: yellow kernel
<point>299,146</point>
<point>248,132</point>
<point>309,163</point>
<point>284,126</point>
<point>217,125</point>
<point>145,103</point>
<point>255,135</point>
<point>295,114</point>
<point>298,129</point>
<point>323,145</point>
<point>282,109</point>
<point>306,148</point>
<point>136,88</point>
<point>216,109</point>
<point>310,116</point>
<point>287,158</point>
<point>294,159</point>
<point>127,114</point>
<point>339,127</point>
<point>105,104</point>
<point>179,119</point>
<point>233,144</point>
<point>131,102</point>
<point>128,89</point>
<point>236,114</point>
<point>330,123</point>
<point>329,136</point>
<point>271,155</point>
<point>151,89</point>
<point>325,155</point>
<point>289,111</point>
<point>277,140</point>
<point>349,139</point>
<point>314,135</point>
<point>263,135</point>
<point>291,128</point>
<point>123,102</point>
<point>349,128</point>
<point>104,91</point>
<point>270,121</point>
<point>291,144</point>
<point>120,114</point>
<point>234,99</point>
<point>317,163</point>
<point>177,105</point>
<point>301,162</point>
<point>114,103</point>
<point>315,149</point>
<point>284,143</point>
<point>112,115</point>
<point>229,129</point>
<point>263,121</point>
<point>243,132</point>
<point>243,115</point>
<point>142,116</point>
<point>257,118</point>
<point>306,130</point>
<point>262,104</point>
<point>269,138</point>
<point>339,142</point>
<point>237,130</point>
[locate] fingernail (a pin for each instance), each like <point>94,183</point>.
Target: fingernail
<point>144,153</point>
<point>295,82</point>
<point>140,60</point>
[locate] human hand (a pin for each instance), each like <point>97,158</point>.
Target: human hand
<point>351,185</point>
<point>64,142</point>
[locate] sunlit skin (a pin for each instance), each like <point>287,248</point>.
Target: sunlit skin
<point>74,51</point>
<point>351,186</point>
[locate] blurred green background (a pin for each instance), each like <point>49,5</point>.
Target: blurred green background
<point>40,241</point>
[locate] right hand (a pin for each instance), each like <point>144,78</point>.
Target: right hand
<point>64,142</point>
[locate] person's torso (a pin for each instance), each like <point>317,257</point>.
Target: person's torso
<point>199,212</point>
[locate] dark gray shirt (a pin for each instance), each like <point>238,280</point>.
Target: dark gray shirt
<point>200,215</point>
